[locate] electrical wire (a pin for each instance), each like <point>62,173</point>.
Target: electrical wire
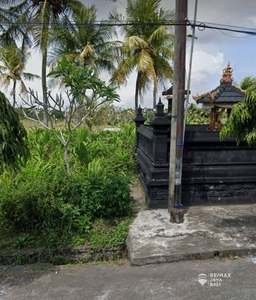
<point>200,25</point>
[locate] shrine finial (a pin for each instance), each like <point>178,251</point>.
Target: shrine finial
<point>227,74</point>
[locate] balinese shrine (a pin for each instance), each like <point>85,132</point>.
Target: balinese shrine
<point>213,171</point>
<point>223,96</point>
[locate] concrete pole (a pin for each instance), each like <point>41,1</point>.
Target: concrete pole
<point>177,126</point>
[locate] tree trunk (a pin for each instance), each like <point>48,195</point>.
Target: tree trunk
<point>14,93</point>
<point>154,98</point>
<point>137,87</point>
<point>67,160</point>
<point>44,85</point>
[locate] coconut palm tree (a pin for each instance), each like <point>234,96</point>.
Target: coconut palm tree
<point>13,25</point>
<point>12,69</point>
<point>42,18</point>
<point>48,16</point>
<point>86,41</point>
<point>147,48</point>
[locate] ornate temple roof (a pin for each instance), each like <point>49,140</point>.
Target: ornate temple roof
<point>225,95</point>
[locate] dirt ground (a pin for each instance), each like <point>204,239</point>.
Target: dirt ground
<point>138,194</point>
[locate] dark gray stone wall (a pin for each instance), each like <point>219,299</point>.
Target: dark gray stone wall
<point>217,172</point>
<point>214,171</point>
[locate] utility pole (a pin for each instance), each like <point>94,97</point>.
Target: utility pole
<point>177,124</point>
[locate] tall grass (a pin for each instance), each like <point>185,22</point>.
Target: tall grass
<point>42,205</point>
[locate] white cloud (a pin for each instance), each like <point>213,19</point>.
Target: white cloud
<point>206,64</point>
<point>206,68</point>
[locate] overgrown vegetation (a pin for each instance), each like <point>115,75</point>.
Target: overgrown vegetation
<point>41,206</point>
<point>13,144</point>
<point>77,80</point>
<point>196,115</point>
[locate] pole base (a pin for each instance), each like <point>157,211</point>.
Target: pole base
<point>177,215</point>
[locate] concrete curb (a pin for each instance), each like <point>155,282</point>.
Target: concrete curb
<point>207,232</point>
<point>142,261</point>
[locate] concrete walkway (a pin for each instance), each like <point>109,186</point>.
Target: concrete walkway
<point>214,279</point>
<point>207,232</point>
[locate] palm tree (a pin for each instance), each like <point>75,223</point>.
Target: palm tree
<point>13,61</point>
<point>48,15</point>
<point>13,25</point>
<point>14,31</point>
<point>85,41</point>
<point>147,48</point>
<point>42,18</point>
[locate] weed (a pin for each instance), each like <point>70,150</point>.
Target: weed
<point>22,241</point>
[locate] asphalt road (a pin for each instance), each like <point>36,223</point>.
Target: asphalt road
<point>227,279</point>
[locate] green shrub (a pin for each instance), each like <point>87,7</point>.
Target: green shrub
<point>22,241</point>
<point>55,201</point>
<point>41,202</point>
<point>108,198</point>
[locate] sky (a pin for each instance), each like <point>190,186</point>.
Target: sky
<point>213,48</point>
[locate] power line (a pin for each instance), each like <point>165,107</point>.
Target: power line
<point>200,25</point>
<point>231,28</point>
